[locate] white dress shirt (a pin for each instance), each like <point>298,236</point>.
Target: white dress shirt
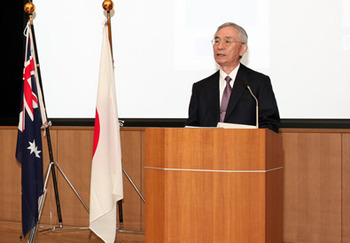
<point>223,82</point>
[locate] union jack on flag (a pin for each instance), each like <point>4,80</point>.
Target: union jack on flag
<point>29,144</point>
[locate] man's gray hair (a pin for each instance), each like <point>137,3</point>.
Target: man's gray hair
<point>241,32</point>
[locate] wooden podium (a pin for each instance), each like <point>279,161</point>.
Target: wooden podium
<point>213,185</point>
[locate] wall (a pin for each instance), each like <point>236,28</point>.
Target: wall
<point>316,180</point>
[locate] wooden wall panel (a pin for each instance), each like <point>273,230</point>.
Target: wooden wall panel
<point>74,156</point>
<point>47,217</point>
<point>133,163</point>
<point>72,150</point>
<point>316,180</point>
<point>312,187</point>
<point>10,176</point>
<point>346,189</point>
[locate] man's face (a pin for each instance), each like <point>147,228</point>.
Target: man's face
<point>228,48</point>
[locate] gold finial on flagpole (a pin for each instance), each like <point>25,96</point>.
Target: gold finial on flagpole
<point>107,5</point>
<point>29,8</point>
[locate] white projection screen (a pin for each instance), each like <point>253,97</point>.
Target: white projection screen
<point>161,47</point>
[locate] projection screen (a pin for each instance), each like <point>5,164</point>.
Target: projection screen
<point>161,47</point>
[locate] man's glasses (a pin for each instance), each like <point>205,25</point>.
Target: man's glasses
<point>225,41</point>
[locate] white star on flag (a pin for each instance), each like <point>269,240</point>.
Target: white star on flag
<point>34,149</point>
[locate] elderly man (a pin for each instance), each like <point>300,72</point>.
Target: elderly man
<point>229,94</point>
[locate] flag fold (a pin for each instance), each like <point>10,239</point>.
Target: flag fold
<point>29,143</point>
<point>106,173</point>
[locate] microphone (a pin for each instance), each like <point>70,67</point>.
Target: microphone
<point>256,102</point>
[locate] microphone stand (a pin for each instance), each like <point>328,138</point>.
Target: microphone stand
<point>256,106</point>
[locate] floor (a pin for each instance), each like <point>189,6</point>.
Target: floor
<point>11,233</point>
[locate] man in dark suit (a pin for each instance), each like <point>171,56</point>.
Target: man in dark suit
<point>225,96</point>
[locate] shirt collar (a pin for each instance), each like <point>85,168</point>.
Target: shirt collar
<point>232,75</point>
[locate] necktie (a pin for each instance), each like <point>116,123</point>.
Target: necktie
<point>225,98</point>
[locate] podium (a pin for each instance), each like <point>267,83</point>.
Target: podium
<point>213,185</point>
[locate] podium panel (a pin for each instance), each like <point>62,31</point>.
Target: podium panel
<point>213,185</point>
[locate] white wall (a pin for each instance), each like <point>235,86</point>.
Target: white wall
<point>161,47</point>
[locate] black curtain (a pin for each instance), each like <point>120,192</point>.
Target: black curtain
<point>13,20</point>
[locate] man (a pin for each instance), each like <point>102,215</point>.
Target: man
<point>225,96</point>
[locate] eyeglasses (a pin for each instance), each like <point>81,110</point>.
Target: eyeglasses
<point>226,41</point>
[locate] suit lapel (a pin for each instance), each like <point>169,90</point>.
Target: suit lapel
<point>237,90</point>
<point>214,93</point>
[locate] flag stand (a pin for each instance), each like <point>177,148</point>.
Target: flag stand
<point>29,9</point>
<point>43,197</point>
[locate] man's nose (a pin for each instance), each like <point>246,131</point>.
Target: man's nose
<point>221,45</point>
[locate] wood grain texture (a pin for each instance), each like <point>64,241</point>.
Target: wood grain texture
<point>346,188</point>
<point>72,150</point>
<point>10,176</point>
<point>133,157</point>
<point>224,148</point>
<point>313,182</point>
<point>316,180</point>
<point>229,202</point>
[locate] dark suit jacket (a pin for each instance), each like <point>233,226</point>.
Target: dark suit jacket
<point>204,109</point>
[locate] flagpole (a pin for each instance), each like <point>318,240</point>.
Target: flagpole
<point>29,8</point>
<point>108,6</point>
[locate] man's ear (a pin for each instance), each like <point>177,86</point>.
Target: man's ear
<point>244,48</point>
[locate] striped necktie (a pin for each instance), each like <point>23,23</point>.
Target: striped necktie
<point>225,99</point>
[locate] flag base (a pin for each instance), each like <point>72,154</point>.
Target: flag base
<point>34,230</point>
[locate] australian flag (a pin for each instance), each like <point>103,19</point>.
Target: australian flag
<point>29,144</point>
